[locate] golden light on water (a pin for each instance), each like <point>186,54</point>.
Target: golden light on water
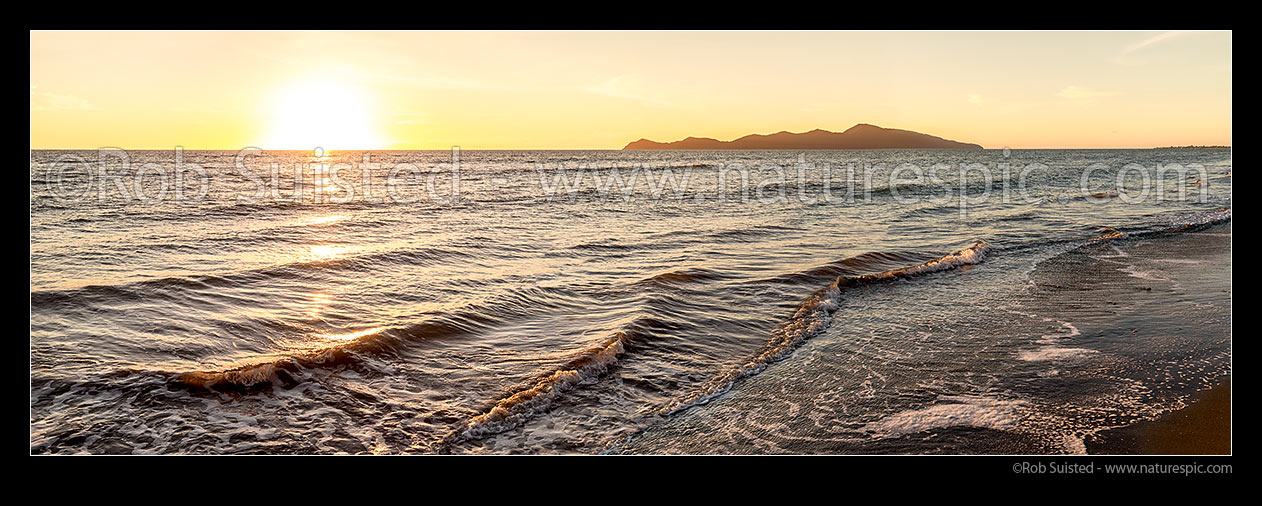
<point>324,220</point>
<point>318,302</point>
<point>351,336</point>
<point>324,253</point>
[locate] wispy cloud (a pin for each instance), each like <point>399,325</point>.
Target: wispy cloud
<point>628,87</point>
<point>1082,94</point>
<point>428,81</point>
<point>48,101</point>
<point>358,71</point>
<point>1126,57</point>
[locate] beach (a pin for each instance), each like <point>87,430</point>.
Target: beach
<point>1201,428</point>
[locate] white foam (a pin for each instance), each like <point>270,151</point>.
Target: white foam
<point>967,256</point>
<point>981,412</point>
<point>1136,272</point>
<point>1054,339</point>
<point>1054,353</point>
<point>1074,445</point>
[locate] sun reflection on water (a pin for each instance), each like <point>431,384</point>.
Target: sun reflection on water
<point>317,303</point>
<point>351,336</point>
<point>324,253</point>
<point>324,220</point>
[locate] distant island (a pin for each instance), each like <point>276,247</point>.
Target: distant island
<point>1194,147</point>
<point>861,136</point>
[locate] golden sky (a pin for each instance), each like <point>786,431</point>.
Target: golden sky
<point>601,90</point>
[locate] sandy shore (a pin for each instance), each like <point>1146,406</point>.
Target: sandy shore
<point>1202,428</point>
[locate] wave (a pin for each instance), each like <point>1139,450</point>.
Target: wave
<point>752,234</point>
<point>289,367</point>
<point>1181,225</point>
<point>680,277</point>
<point>813,316</point>
<point>532,398</point>
<point>942,187</point>
<point>1189,224</point>
<point>1107,233</point>
<point>516,408</point>
<point>286,370</point>
<point>864,262</point>
<point>296,269</point>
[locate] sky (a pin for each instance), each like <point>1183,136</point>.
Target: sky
<point>603,89</point>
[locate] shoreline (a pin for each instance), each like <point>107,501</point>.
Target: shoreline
<point>1201,428</point>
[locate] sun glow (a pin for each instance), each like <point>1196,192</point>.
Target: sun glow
<point>322,113</point>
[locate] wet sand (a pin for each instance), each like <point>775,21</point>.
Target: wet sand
<point>1201,428</point>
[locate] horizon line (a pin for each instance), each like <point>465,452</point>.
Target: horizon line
<point>186,148</point>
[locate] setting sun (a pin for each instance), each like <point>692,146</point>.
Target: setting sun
<point>1012,244</point>
<point>321,113</point>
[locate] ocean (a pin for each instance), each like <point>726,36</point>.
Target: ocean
<point>621,302</point>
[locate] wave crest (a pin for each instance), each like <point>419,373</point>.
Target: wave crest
<point>285,370</point>
<point>813,316</point>
<point>520,406</point>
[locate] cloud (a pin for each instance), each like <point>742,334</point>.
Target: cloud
<point>48,101</point>
<point>1124,57</point>
<point>628,88</point>
<point>424,81</point>
<point>1083,94</point>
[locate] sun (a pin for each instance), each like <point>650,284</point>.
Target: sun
<point>321,113</point>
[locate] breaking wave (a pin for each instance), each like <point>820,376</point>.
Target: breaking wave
<point>285,370</point>
<point>520,406</point>
<point>813,316</point>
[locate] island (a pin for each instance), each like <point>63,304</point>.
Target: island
<point>861,136</point>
